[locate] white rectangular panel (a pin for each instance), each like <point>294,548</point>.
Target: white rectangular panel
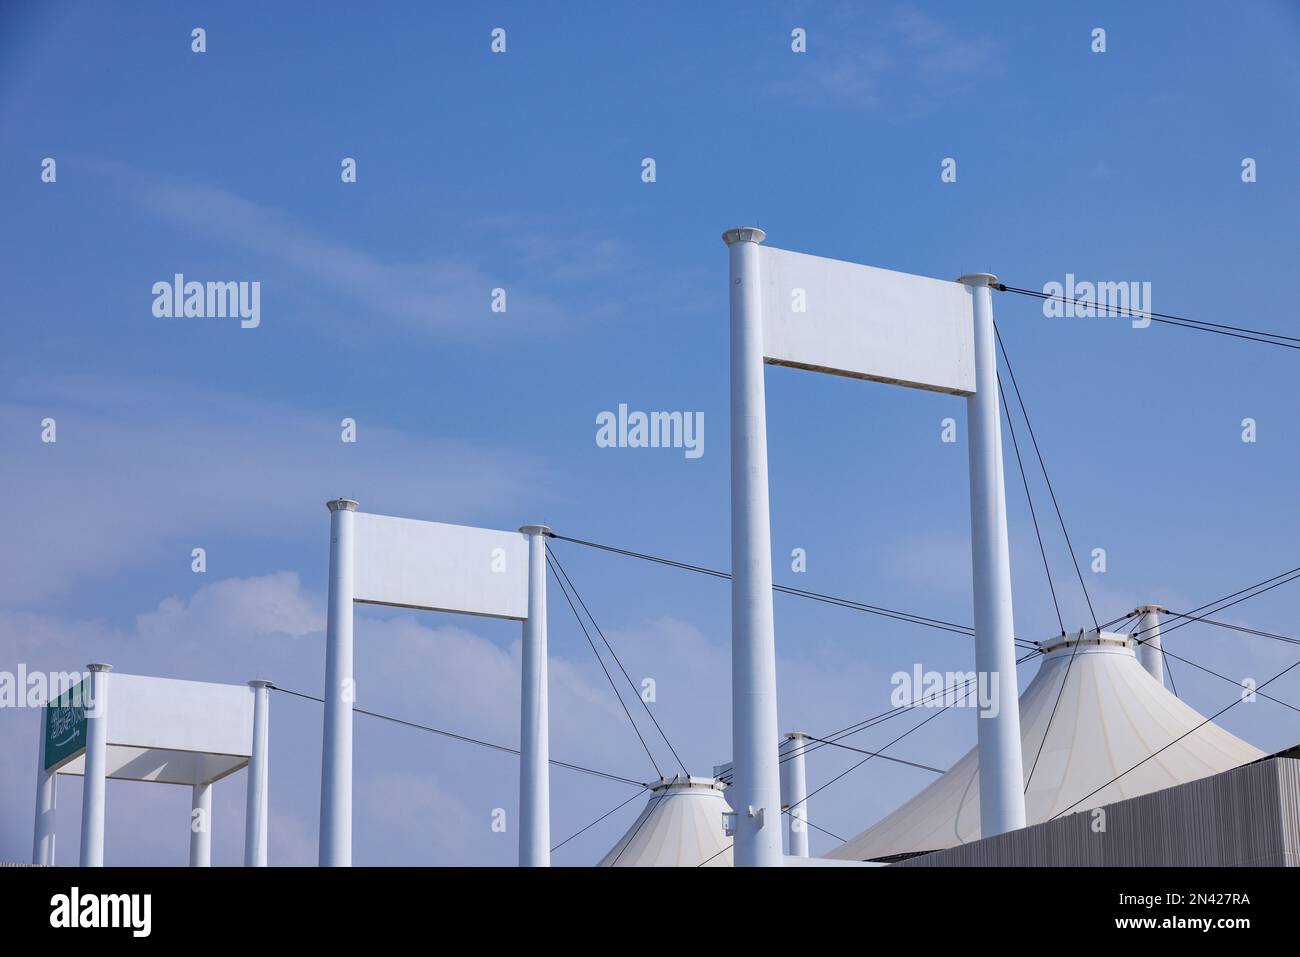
<point>867,323</point>
<point>414,564</point>
<point>174,715</point>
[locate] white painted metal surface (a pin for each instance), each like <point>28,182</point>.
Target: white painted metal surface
<point>534,728</point>
<point>794,792</point>
<point>865,322</point>
<point>340,691</point>
<point>859,321</point>
<point>1112,715</point>
<point>756,791</point>
<point>255,811</point>
<point>385,560</point>
<point>680,826</point>
<point>170,714</point>
<point>160,730</point>
<point>201,826</point>
<point>1150,652</point>
<point>44,832</point>
<point>172,732</point>
<point>96,768</point>
<point>1001,798</point>
<point>158,765</point>
<point>416,564</point>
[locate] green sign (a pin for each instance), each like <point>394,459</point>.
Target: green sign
<point>65,724</point>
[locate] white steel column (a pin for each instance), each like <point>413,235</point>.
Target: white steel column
<point>340,692</point>
<point>46,803</point>
<point>534,730</point>
<point>756,793</point>
<point>201,825</point>
<point>794,791</point>
<point>258,770</point>
<point>92,792</point>
<point>1002,782</point>
<point>1150,652</point>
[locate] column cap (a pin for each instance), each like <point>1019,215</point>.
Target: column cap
<point>341,505</point>
<point>261,683</point>
<point>743,234</point>
<point>99,666</point>
<point>978,279</point>
<point>1150,608</point>
<point>535,529</point>
<point>791,735</point>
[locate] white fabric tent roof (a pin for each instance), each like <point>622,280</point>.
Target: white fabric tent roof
<point>681,826</point>
<point>1112,715</point>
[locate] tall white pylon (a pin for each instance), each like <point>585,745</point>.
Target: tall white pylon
<point>258,774</point>
<point>1002,798</point>
<point>340,692</point>
<point>534,732</point>
<point>96,768</point>
<point>756,792</point>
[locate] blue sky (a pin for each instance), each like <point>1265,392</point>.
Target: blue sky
<point>522,171</point>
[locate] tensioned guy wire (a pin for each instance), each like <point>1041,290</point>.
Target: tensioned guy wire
<point>1241,628</point>
<point>1222,603</point>
<point>1015,386</point>
<point>1290,575</point>
<point>466,739</point>
<point>849,770</point>
<point>1210,671</point>
<point>583,830</point>
<point>601,662</point>
<point>875,754</point>
<point>654,801</point>
<point>1199,325</point>
<point>1060,692</point>
<point>1191,731</point>
<point>923,620</point>
<point>1169,673</point>
<point>1074,652</point>
<point>832,739</point>
<point>1033,514</point>
<point>632,684</point>
<point>953,691</point>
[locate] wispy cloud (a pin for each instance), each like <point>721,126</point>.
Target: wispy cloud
<point>903,59</point>
<point>444,296</point>
<point>421,799</point>
<point>138,472</point>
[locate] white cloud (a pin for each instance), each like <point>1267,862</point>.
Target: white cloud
<point>873,60</point>
<point>129,483</point>
<point>447,295</point>
<point>225,610</point>
<point>425,799</point>
<point>419,798</point>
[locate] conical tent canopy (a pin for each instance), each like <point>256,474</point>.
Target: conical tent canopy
<point>1112,714</point>
<point>681,826</point>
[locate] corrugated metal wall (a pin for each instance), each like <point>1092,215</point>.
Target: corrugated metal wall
<point>1249,816</point>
